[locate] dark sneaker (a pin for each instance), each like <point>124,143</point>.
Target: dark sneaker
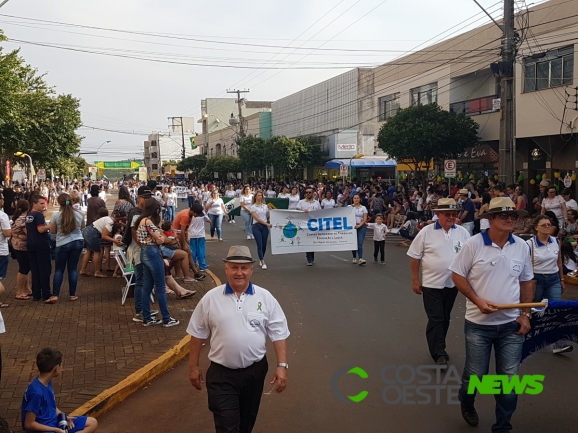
<point>152,322</point>
<point>470,416</point>
<point>441,361</point>
<point>171,322</point>
<point>137,317</point>
<point>199,276</point>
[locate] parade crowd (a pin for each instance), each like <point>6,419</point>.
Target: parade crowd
<point>456,237</point>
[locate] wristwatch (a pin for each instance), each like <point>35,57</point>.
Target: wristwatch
<point>525,313</point>
<point>283,364</point>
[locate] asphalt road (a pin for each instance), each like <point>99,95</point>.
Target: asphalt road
<point>341,315</point>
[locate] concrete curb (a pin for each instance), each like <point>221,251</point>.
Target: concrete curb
<point>109,398</point>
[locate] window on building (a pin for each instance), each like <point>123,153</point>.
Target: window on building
<point>553,68</point>
<point>388,106</point>
<point>154,155</point>
<point>423,95</point>
<point>155,166</point>
<point>153,143</point>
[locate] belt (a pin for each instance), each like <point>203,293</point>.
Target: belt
<point>546,275</point>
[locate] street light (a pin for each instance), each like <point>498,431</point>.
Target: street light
<point>3,3</point>
<point>356,156</point>
<point>98,148</point>
<point>32,173</point>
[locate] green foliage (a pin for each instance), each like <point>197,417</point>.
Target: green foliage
<point>419,134</point>
<point>71,167</point>
<point>252,153</point>
<point>33,118</point>
<point>193,163</point>
<point>170,162</point>
<point>286,155</point>
<point>220,164</point>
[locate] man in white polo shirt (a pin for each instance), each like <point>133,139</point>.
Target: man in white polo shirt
<point>493,268</point>
<point>434,248</point>
<point>238,317</point>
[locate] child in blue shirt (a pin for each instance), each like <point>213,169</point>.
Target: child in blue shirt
<point>39,411</point>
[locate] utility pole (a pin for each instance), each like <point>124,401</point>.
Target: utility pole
<point>239,104</point>
<point>173,125</point>
<point>506,162</point>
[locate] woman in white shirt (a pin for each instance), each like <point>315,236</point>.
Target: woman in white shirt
<point>246,200</point>
<point>271,192</point>
<point>260,214</point>
<point>231,193</point>
<point>171,204</point>
<point>284,193</point>
<point>556,204</point>
<point>328,202</point>
<point>361,227</point>
<point>215,209</point>
<point>294,198</point>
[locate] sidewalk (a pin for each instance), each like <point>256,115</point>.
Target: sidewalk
<point>100,342</point>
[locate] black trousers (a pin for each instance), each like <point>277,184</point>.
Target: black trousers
<point>438,304</point>
<point>40,268</point>
<point>310,257</point>
<point>379,247</point>
<point>235,396</point>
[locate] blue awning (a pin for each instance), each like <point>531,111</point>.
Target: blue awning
<point>362,162</point>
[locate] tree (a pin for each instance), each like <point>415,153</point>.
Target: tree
<point>33,118</point>
<point>193,163</point>
<point>170,162</point>
<point>311,154</point>
<point>420,134</point>
<point>221,164</point>
<point>252,153</point>
<point>283,153</point>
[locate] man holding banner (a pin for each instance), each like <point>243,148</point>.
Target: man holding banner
<point>306,205</point>
<point>494,268</point>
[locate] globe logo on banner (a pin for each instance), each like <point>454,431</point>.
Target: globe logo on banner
<point>290,230</point>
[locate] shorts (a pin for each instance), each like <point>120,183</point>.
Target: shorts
<point>23,262</point>
<point>79,424</point>
<point>167,252</point>
<point>92,238</point>
<point>3,266</point>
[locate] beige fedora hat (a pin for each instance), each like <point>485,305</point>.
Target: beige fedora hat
<point>239,254</point>
<point>501,205</point>
<point>464,191</point>
<point>446,204</point>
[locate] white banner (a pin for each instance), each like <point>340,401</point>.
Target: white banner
<point>322,230</point>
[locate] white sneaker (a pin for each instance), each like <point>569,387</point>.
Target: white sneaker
<point>564,349</point>
<point>233,221</point>
<point>248,236</point>
<point>263,266</point>
<point>354,261</point>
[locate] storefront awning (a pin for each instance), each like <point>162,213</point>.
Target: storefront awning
<point>361,162</point>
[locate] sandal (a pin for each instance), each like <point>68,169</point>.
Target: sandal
<point>100,276</point>
<point>188,294</point>
<point>3,305</point>
<point>86,274</point>
<point>23,297</point>
<point>73,298</point>
<point>189,280</point>
<point>51,300</point>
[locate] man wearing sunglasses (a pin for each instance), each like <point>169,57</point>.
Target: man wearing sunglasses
<point>434,248</point>
<point>308,204</point>
<point>494,267</point>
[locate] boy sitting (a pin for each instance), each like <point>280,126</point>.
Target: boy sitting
<point>39,411</point>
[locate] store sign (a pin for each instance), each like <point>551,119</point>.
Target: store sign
<point>478,154</point>
<point>345,150</point>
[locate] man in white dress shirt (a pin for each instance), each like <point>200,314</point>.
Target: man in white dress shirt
<point>238,317</point>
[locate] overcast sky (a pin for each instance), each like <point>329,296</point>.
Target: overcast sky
<point>131,95</point>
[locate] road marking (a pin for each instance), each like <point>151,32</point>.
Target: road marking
<point>340,258</point>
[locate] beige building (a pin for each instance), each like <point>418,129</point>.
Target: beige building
<point>456,74</point>
<point>221,125</point>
